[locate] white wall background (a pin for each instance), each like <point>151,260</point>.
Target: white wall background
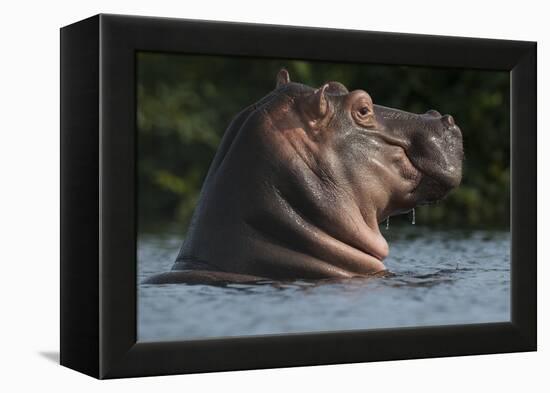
<point>29,193</point>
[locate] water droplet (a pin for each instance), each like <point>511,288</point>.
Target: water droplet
<point>388,223</point>
<point>414,217</point>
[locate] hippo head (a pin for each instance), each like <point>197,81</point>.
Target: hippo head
<point>304,176</point>
<point>388,159</point>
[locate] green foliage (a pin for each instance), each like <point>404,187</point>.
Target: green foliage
<point>185,102</point>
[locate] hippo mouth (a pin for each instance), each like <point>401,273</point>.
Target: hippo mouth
<point>430,182</point>
<point>434,182</point>
<point>408,169</point>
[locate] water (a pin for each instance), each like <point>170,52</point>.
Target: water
<point>440,278</point>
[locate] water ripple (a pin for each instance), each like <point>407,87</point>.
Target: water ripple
<point>436,277</point>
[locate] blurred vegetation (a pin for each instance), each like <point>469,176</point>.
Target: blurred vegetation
<point>185,102</point>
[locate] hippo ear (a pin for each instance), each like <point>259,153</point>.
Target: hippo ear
<point>336,88</point>
<point>283,77</point>
<point>316,105</point>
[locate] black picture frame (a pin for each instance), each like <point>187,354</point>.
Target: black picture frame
<point>98,196</point>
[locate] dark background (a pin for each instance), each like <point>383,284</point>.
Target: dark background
<point>185,103</point>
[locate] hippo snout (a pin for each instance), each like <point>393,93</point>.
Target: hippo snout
<point>438,153</point>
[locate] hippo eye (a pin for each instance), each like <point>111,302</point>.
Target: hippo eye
<point>363,113</point>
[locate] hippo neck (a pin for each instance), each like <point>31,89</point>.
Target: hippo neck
<point>331,232</point>
<point>282,233</point>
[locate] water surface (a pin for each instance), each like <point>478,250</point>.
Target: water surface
<point>439,278</point>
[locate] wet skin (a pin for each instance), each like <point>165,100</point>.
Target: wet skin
<point>303,177</point>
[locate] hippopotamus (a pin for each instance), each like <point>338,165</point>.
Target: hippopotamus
<point>302,179</point>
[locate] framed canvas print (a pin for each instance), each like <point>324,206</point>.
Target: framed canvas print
<point>239,196</point>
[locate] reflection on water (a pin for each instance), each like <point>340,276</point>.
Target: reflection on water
<point>437,277</point>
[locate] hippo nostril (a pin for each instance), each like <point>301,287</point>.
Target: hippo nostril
<point>448,120</point>
<point>433,112</point>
